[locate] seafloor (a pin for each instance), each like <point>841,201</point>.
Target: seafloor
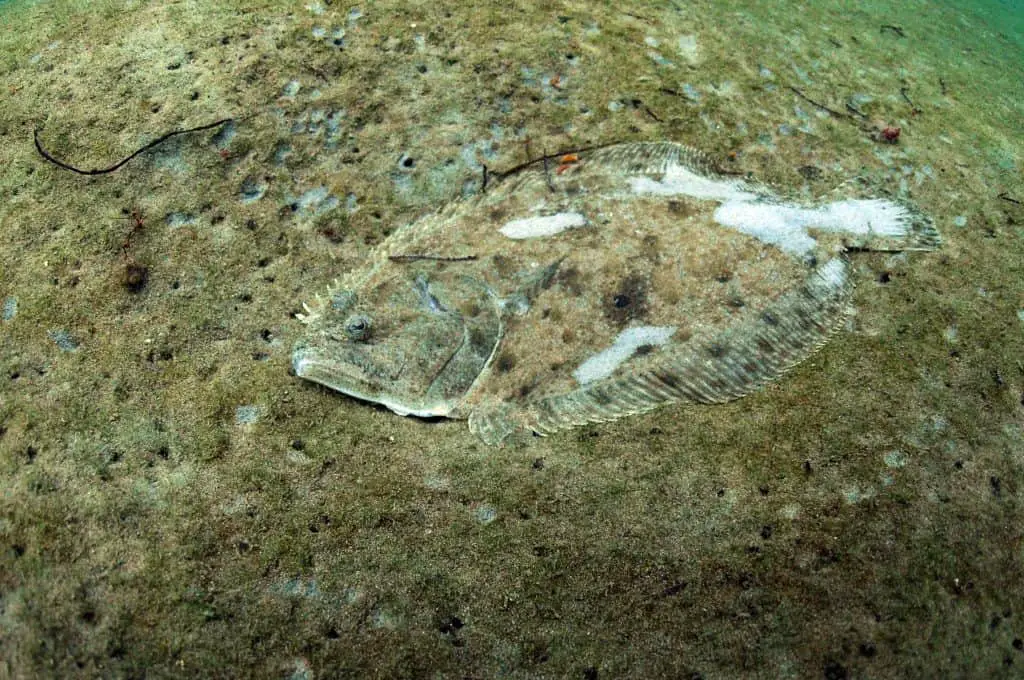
<point>174,504</point>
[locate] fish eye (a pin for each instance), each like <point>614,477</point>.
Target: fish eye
<point>357,327</point>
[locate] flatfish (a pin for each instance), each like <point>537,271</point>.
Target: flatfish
<point>592,286</point>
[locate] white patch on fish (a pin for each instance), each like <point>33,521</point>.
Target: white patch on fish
<point>679,181</point>
<point>547,225</point>
<point>604,363</point>
<point>786,226</point>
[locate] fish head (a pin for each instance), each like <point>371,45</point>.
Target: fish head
<point>412,338</point>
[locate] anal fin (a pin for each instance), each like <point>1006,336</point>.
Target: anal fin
<point>717,369</point>
<point>492,425</point>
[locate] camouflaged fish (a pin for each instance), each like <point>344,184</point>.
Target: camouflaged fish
<point>598,285</point>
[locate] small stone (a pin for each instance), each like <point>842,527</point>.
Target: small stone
<point>485,514</point>
<point>247,415</point>
<point>63,340</point>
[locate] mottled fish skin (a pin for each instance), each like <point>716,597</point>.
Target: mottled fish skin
<point>635,276</point>
<point>722,368</point>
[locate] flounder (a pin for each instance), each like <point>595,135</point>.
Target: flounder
<point>599,284</point>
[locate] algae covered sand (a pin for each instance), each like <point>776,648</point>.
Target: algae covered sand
<point>175,504</point>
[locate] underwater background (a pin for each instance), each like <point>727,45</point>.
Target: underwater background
<point>174,504</point>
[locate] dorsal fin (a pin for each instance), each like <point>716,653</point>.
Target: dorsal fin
<point>719,369</point>
<point>652,158</point>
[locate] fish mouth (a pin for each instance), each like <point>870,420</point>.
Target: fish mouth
<point>308,365</point>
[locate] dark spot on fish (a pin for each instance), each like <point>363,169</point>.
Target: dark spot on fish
<point>548,274</point>
<point>809,171</point>
<point>570,279</point>
<point>769,318</point>
<point>884,277</point>
<point>480,340</point>
<point>765,346</point>
<point>330,233</point>
<point>717,350</point>
<point>680,208</point>
<point>502,264</point>
<point>506,362</point>
<point>497,214</point>
<point>643,350</point>
<point>470,309</point>
<point>804,319</point>
<point>571,187</point>
<point>652,248</point>
<point>628,302</point>
<point>736,302</point>
<point>527,387</point>
<point>568,335</point>
<point>667,378</point>
<point>724,276</point>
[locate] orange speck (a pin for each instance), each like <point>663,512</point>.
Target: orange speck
<point>566,162</point>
